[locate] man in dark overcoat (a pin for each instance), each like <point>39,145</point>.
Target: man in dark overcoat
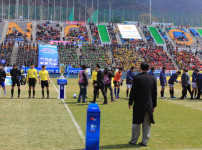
<point>143,97</point>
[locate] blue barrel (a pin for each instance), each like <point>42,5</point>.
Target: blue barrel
<point>93,127</point>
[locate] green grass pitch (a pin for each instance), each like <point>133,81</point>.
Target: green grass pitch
<point>45,124</point>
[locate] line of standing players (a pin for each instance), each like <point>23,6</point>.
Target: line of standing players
<point>195,93</point>
<point>17,77</point>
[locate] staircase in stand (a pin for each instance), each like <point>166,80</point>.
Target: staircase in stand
<point>5,29</point>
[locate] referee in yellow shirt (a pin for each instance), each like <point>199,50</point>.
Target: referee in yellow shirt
<point>44,80</point>
<point>94,81</point>
<point>32,79</point>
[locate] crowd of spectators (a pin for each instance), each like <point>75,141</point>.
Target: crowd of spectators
<point>157,57</point>
<point>95,33</point>
<point>185,59</point>
<point>126,56</point>
<point>27,53</point>
<point>92,55</point>
<point>16,36</point>
<point>46,32</point>
<point>77,35</point>
<point>68,55</point>
<point>6,49</point>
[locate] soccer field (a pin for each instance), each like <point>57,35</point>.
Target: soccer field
<point>46,124</point>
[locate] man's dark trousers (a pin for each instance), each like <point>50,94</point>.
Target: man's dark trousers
<point>103,93</point>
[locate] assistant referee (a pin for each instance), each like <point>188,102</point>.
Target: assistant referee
<point>44,80</point>
<point>32,79</point>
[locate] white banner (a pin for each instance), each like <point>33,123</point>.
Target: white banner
<point>129,32</point>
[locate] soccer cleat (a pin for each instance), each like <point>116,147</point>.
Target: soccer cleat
<point>127,97</point>
<point>104,103</point>
<point>47,97</point>
<point>43,97</point>
<point>113,100</point>
<point>142,144</point>
<point>29,97</point>
<point>173,97</point>
<point>162,97</point>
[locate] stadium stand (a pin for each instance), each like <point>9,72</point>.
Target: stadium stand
<point>185,59</point>
<point>194,32</point>
<point>148,35</point>
<point>156,35</point>
<point>131,57</point>
<point>157,57</point>
<point>112,34</point>
<point>163,34</point>
<point>68,55</point>
<point>6,51</point>
<point>92,55</point>
<point>180,36</point>
<point>46,32</point>
<point>19,31</point>
<point>27,53</point>
<point>200,32</point>
<point>77,34</point>
<point>95,33</point>
<point>103,34</point>
<point>1,26</point>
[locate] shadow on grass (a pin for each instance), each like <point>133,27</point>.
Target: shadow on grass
<point>119,146</point>
<point>74,103</point>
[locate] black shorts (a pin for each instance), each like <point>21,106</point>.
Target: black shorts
<point>116,83</point>
<point>44,84</point>
<point>32,82</point>
<point>14,82</point>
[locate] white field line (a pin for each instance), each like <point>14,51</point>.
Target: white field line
<point>78,128</point>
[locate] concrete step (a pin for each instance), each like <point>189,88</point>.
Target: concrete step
<point>34,26</point>
<point>142,35</point>
<point>14,54</point>
<point>173,61</point>
<point>118,37</point>
<point>5,29</point>
<point>89,33</point>
<point>62,33</point>
<point>111,57</point>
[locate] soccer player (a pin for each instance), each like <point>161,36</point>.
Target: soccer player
<point>163,81</point>
<point>117,80</point>
<point>199,85</point>
<point>2,79</point>
<point>129,80</point>
<point>15,77</point>
<point>151,72</point>
<point>108,78</point>
<point>172,81</point>
<point>194,82</point>
<point>186,84</point>
<point>32,79</point>
<point>44,80</point>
